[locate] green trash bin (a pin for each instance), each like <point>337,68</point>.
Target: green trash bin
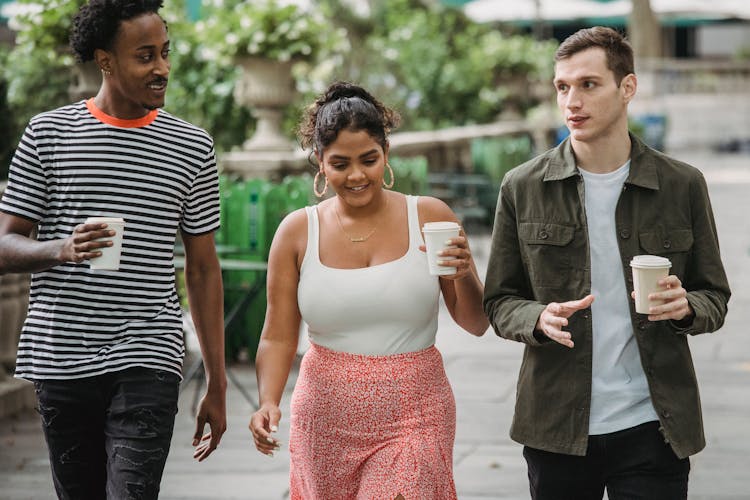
<point>299,191</point>
<point>254,209</point>
<point>410,174</point>
<point>225,186</point>
<point>247,203</point>
<point>494,157</point>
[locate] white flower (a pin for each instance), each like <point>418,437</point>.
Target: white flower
<point>258,37</point>
<point>182,47</point>
<point>284,27</point>
<point>207,54</point>
<point>391,54</point>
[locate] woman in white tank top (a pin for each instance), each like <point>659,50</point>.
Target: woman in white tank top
<point>372,415</point>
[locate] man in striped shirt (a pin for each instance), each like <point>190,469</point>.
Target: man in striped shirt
<point>104,348</point>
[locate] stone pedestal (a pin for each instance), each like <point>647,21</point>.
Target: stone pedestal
<point>15,395</point>
<point>10,318</point>
<point>259,164</point>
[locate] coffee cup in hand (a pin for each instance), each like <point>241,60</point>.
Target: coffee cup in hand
<point>647,271</point>
<point>436,237</point>
<point>110,257</point>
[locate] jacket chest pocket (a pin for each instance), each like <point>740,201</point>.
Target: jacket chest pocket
<point>674,244</point>
<point>548,252</point>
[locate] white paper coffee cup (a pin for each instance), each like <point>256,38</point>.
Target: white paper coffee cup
<point>436,234</point>
<point>110,257</point>
<point>647,271</point>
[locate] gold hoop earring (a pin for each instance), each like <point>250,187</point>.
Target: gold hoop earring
<point>389,185</point>
<point>319,194</point>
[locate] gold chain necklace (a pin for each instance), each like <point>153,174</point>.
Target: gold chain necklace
<point>356,239</point>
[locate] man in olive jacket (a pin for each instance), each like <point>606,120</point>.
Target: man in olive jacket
<point>606,397</point>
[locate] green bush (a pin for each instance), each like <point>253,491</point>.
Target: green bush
<point>431,62</point>
<point>8,129</point>
<point>437,66</point>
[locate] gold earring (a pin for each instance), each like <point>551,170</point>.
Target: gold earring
<point>106,72</point>
<point>389,185</point>
<point>319,194</point>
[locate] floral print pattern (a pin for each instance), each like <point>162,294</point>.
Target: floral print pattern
<point>372,427</point>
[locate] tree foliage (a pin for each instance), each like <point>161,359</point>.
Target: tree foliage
<point>427,60</point>
<point>436,65</point>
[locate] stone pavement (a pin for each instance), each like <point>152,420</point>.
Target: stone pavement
<point>483,371</point>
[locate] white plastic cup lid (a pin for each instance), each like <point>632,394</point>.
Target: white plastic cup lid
<point>439,226</point>
<point>650,262</point>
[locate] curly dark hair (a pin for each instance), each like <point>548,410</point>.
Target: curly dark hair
<point>96,24</point>
<point>347,106</point>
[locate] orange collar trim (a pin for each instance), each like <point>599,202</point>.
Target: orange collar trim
<point>119,122</point>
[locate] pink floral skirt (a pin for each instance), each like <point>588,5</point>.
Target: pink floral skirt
<point>372,427</point>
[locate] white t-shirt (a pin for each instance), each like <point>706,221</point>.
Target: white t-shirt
<point>159,174</point>
<point>620,397</point>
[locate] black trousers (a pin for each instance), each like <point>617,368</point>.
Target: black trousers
<point>108,436</point>
<point>632,464</point>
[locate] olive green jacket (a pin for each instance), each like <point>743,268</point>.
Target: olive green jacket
<point>540,254</point>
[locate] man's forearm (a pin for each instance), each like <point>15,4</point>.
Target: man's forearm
<point>206,299</point>
<point>21,254</point>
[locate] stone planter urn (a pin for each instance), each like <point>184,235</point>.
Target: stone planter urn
<point>266,86</point>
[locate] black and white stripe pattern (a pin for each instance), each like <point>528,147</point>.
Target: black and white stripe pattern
<point>160,177</point>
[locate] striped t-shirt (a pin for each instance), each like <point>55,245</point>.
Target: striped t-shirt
<point>159,174</point>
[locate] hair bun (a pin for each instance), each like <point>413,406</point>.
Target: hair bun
<point>342,90</point>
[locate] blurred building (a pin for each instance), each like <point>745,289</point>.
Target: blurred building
<point>697,94</point>
<point>6,35</point>
<point>689,28</point>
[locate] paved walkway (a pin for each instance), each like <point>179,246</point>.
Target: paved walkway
<point>483,371</point>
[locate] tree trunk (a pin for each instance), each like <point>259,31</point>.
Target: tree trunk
<point>644,31</point>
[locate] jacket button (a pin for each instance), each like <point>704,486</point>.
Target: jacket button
<point>642,325</point>
<point>666,414</point>
<point>625,234</point>
<point>667,244</point>
<point>543,235</point>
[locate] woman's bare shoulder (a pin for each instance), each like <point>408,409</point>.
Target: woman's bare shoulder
<point>291,235</point>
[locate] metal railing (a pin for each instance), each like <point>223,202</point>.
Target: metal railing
<point>720,77</point>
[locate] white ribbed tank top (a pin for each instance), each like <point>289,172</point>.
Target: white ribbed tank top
<point>388,308</point>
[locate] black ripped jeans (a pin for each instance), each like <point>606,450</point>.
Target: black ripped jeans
<point>108,436</point>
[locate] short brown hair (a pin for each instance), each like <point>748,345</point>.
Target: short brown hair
<point>617,49</point>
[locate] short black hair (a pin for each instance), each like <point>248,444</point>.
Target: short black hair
<point>96,24</point>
